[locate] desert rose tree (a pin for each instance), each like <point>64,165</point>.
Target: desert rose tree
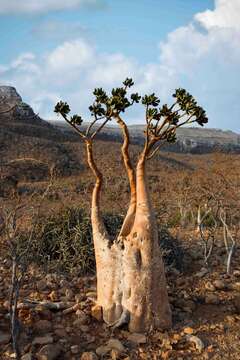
<point>131,283</point>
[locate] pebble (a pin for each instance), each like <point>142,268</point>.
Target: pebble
<point>116,344</point>
<point>202,273</point>
<point>188,330</point>
<point>41,285</point>
<point>43,326</point>
<point>43,340</point>
<point>89,356</point>
<point>137,338</point>
<point>74,349</point>
<point>49,352</point>
<point>4,338</point>
<point>236,286</point>
<point>212,299</point>
<point>219,284</point>
<point>209,286</point>
<point>197,341</point>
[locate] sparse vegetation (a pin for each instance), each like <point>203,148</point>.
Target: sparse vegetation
<point>204,298</point>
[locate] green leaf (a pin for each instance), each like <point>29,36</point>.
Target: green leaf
<point>62,108</point>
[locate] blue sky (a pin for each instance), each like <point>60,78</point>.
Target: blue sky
<point>62,49</point>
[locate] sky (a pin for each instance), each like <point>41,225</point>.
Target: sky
<point>58,49</point>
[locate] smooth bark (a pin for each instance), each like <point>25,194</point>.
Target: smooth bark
<point>131,284</point>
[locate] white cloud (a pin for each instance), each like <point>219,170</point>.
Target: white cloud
<point>225,15</point>
<point>205,62</point>
<point>70,56</point>
<point>42,6</point>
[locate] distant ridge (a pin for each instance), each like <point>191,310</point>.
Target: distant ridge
<point>23,121</point>
<point>189,139</point>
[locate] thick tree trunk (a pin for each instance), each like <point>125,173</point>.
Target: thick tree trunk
<point>145,291</point>
<point>131,284</point>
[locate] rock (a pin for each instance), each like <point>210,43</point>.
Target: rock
<point>116,344</point>
<point>113,344</point>
<point>236,302</point>
<point>102,350</point>
<point>43,312</point>
<point>82,317</point>
<point>79,298</point>
<point>137,338</point>
<point>236,273</point>
<point>236,286</point>
<point>89,356</point>
<point>201,273</point>
<point>188,330</point>
<point>49,352</point>
<point>4,338</point>
<point>27,356</point>
<point>212,299</point>
<point>84,328</point>
<point>197,341</point>
<point>91,294</point>
<point>74,349</point>
<point>96,312</point>
<point>10,95</point>
<point>209,286</point>
<point>43,326</point>
<point>219,284</point>
<point>43,340</point>
<point>115,354</point>
<point>69,294</point>
<point>41,285</point>
<point>60,333</point>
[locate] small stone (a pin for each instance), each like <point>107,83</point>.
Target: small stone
<point>219,284</point>
<point>236,273</point>
<point>27,356</point>
<point>84,328</point>
<point>212,299</point>
<point>201,273</point>
<point>89,356</point>
<point>236,302</point>
<point>43,326</point>
<point>43,340</point>
<point>115,354</point>
<point>91,294</point>
<point>74,349</point>
<point>96,312</point>
<point>69,294</point>
<point>60,333</point>
<point>41,285</point>
<point>188,330</point>
<point>115,344</point>
<point>137,338</point>
<point>49,352</point>
<point>102,350</point>
<point>79,298</point>
<point>4,338</point>
<point>210,287</point>
<point>197,341</point>
<point>82,317</point>
<point>236,286</point>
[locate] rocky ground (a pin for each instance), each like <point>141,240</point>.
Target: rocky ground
<point>59,321</point>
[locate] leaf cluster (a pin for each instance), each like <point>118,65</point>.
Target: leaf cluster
<point>162,121</point>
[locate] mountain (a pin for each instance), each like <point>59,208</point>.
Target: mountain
<point>189,139</point>
<point>30,146</point>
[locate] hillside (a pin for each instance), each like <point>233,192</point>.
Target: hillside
<point>192,140</point>
<point>25,136</point>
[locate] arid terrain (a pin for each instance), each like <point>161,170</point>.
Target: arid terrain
<point>58,288</point>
